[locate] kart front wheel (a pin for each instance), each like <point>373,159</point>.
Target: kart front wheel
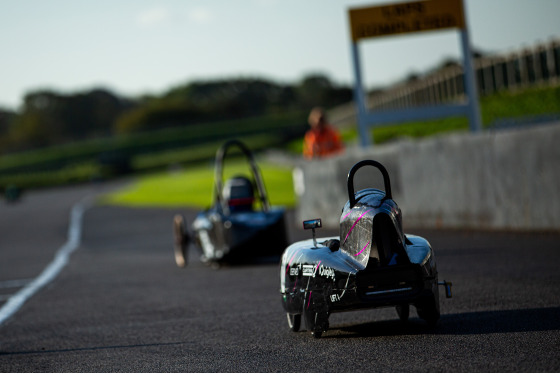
<point>294,321</point>
<point>403,311</point>
<point>181,240</point>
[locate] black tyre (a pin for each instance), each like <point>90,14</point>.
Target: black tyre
<point>294,321</point>
<point>403,311</point>
<point>428,310</point>
<point>180,241</point>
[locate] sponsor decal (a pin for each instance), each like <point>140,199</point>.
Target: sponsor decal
<point>326,272</point>
<point>312,270</point>
<point>335,297</point>
<point>308,270</point>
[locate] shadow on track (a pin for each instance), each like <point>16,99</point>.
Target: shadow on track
<point>474,323</point>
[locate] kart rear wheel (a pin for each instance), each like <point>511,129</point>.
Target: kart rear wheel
<point>429,311</point>
<point>181,240</point>
<point>403,311</point>
<point>294,321</point>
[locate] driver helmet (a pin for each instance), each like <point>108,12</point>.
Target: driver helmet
<point>239,194</point>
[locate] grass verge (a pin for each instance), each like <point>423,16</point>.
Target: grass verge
<point>193,187</point>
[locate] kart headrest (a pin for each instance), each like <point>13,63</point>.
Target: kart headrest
<point>239,193</point>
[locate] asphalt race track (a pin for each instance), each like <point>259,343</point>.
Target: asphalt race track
<point>121,305</point>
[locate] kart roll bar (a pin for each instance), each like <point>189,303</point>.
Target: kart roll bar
<point>350,181</point>
<point>218,177</point>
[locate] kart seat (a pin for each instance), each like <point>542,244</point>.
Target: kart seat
<point>390,250</point>
<point>239,194</point>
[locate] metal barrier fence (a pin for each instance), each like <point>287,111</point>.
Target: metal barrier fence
<point>539,65</point>
<point>535,66</point>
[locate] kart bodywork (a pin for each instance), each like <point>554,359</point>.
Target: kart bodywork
<point>232,230</point>
<point>371,264</point>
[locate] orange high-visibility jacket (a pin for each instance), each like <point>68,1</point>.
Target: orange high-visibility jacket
<point>320,143</point>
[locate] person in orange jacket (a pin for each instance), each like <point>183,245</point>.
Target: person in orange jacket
<point>322,139</point>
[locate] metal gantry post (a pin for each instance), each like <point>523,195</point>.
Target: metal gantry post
<point>359,98</point>
<point>471,90</point>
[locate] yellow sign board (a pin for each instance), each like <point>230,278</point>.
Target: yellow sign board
<point>402,18</point>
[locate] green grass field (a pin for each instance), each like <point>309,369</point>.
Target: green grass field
<point>193,186</point>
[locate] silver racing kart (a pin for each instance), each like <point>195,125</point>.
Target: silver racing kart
<point>371,264</point>
<point>234,229</point>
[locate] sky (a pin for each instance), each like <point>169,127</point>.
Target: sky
<point>137,47</point>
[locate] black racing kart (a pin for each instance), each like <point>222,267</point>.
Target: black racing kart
<point>233,229</point>
<point>371,264</point>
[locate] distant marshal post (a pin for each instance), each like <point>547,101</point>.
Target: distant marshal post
<point>403,18</point>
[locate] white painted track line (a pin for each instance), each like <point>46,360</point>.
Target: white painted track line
<point>60,260</point>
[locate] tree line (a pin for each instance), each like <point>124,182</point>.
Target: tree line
<point>48,118</point>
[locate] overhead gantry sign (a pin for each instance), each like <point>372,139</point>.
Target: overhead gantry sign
<point>403,18</point>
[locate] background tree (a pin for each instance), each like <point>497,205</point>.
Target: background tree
<point>318,90</point>
<point>48,117</point>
